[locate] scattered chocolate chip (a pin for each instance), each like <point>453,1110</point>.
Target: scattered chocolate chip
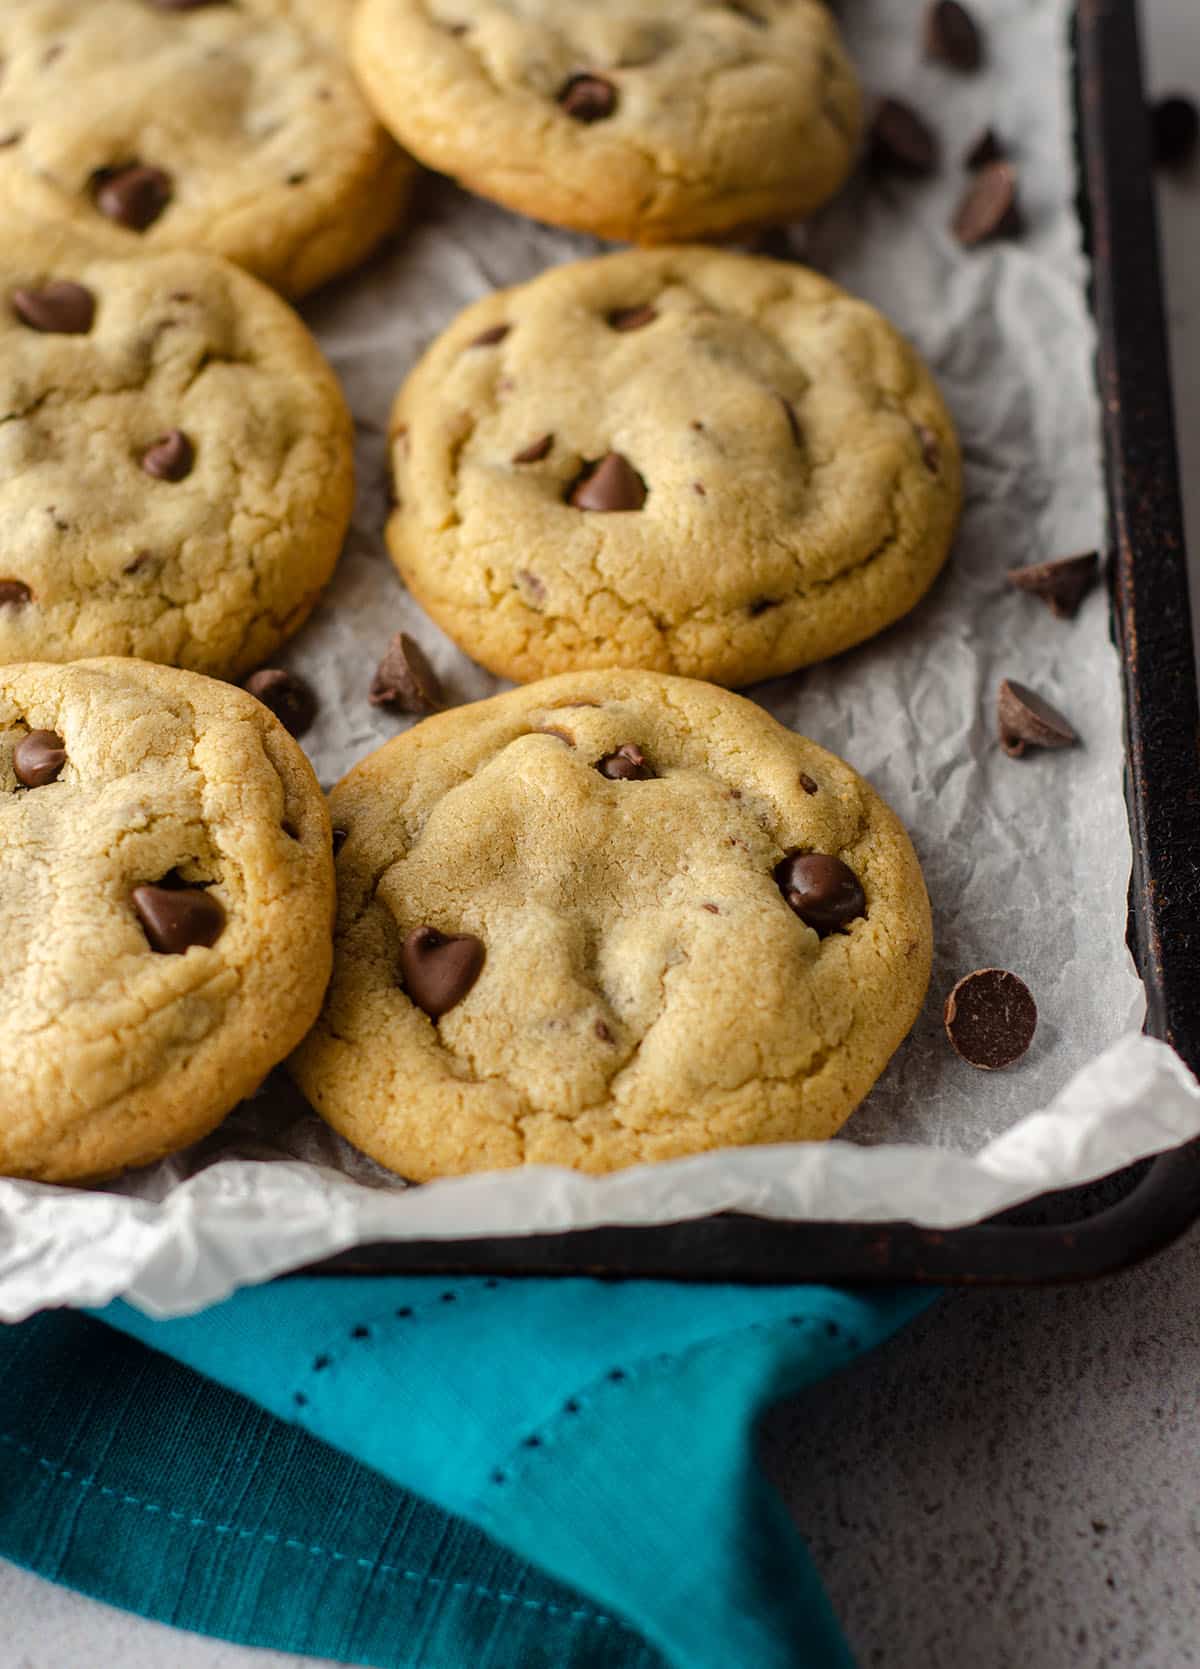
<point>989,208</point>
<point>952,35</point>
<point>588,98</point>
<point>1062,585</point>
<point>901,142</point>
<point>807,783</point>
<point>627,764</point>
<point>438,969</point>
<point>988,147</point>
<point>632,318</point>
<point>170,458</point>
<point>602,1032</point>
<point>13,593</point>
<point>60,307</point>
<point>287,695</point>
<point>990,1018</point>
<point>1025,721</point>
<point>793,421</point>
<point>405,681</point>
<point>823,891</point>
<point>39,757</point>
<point>611,484</point>
<point>339,837</point>
<point>488,338</point>
<point>134,195</point>
<point>1174,130</point>
<point>931,449</point>
<point>535,452</point>
<point>174,918</point>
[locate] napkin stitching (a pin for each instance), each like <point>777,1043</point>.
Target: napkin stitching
<point>88,1481</point>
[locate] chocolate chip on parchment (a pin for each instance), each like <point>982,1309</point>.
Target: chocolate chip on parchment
<point>990,1018</point>
<point>901,141</point>
<point>14,593</point>
<point>39,757</point>
<point>488,338</point>
<point>170,457</point>
<point>611,484</point>
<point>989,209</point>
<point>632,318</point>
<point>133,195</point>
<point>988,147</point>
<point>1061,585</point>
<point>588,98</point>
<point>438,969</point>
<point>1024,720</point>
<point>1174,130</point>
<point>60,307</point>
<point>627,764</point>
<point>952,35</point>
<point>807,783</point>
<point>287,695</point>
<point>405,681</point>
<point>535,451</point>
<point>823,891</point>
<point>173,918</point>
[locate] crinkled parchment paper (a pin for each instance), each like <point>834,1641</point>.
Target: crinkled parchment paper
<point>1027,861</point>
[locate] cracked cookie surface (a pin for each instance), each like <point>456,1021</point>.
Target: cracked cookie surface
<point>649,121</point>
<point>232,128</point>
<point>574,928</point>
<point>166,896</point>
<point>176,457</point>
<point>690,460</point>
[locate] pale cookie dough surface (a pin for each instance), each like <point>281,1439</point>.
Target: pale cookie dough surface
<point>693,117</point>
<point>646,991</point>
<point>802,475</point>
<point>113,1053</point>
<point>98,555</point>
<point>272,156</point>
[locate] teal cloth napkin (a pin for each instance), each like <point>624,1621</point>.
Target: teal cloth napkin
<point>495,1473</point>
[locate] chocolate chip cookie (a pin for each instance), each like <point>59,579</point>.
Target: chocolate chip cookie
<point>166,896</point>
<point>611,917</point>
<point>176,465</point>
<point>690,460</point>
<point>204,124</point>
<point>650,121</point>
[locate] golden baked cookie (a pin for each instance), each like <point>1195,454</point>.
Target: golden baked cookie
<point>691,460</point>
<point>650,121</point>
<point>166,895</point>
<point>176,457</point>
<point>610,917</point>
<point>235,128</point>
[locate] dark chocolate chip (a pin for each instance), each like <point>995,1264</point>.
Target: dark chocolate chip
<point>627,764</point>
<point>988,147</point>
<point>438,969</point>
<point>340,837</point>
<point>174,918</point>
<point>1024,720</point>
<point>134,195</point>
<point>60,307</point>
<point>807,783</point>
<point>170,458</point>
<point>990,1018</point>
<point>13,593</point>
<point>611,484</point>
<point>823,891</point>
<point>588,98</point>
<point>1174,131</point>
<point>405,681</point>
<point>952,36</point>
<point>39,757</point>
<point>488,338</point>
<point>287,695</point>
<point>901,141</point>
<point>535,451</point>
<point>989,209</point>
<point>632,318</point>
<point>1061,585</point>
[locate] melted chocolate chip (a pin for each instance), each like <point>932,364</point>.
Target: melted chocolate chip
<point>170,458</point>
<point>488,338</point>
<point>439,969</point>
<point>134,195</point>
<point>632,318</point>
<point>1061,585</point>
<point>14,593</point>
<point>60,307</point>
<point>405,681</point>
<point>588,98</point>
<point>39,757</point>
<point>901,141</point>
<point>611,484</point>
<point>989,208</point>
<point>288,696</point>
<point>174,918</point>
<point>535,451</point>
<point>627,764</point>
<point>990,1018</point>
<point>952,36</point>
<point>823,891</point>
<point>1024,720</point>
